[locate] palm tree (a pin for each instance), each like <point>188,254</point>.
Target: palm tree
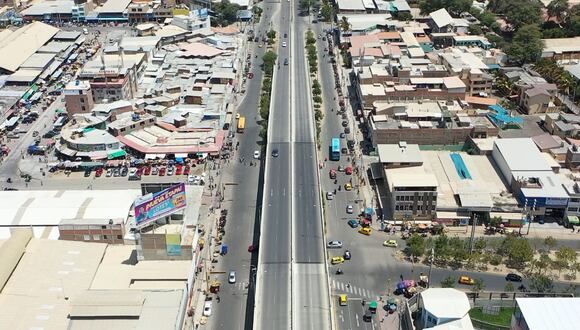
<point>559,10</point>
<point>344,24</point>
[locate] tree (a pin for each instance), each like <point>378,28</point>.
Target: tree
<point>550,242</point>
<point>509,287</point>
<point>344,24</point>
<point>454,7</point>
<point>305,5</point>
<point>441,249</point>
<point>328,12</point>
<point>528,13</point>
<point>269,60</point>
<point>415,245</point>
<point>448,282</point>
<point>517,250</point>
<point>226,13</point>
<point>475,29</point>
<point>558,9</point>
<point>478,286</point>
<point>495,221</point>
<point>566,256</point>
<point>403,16</point>
<point>541,283</point>
<point>526,45</point>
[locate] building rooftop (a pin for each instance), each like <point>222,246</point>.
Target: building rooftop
<point>399,153</point>
<point>550,313</point>
<point>446,303</point>
<point>50,207</point>
<point>409,177</point>
<point>52,7</point>
<point>441,17</point>
<point>113,7</point>
<point>17,47</point>
<point>522,154</point>
<point>559,45</point>
<point>198,49</point>
<point>351,5</point>
<point>37,294</point>
<point>38,61</point>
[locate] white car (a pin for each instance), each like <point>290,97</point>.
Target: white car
<point>207,308</point>
<point>232,277</point>
<point>349,209</point>
<point>329,196</point>
<point>283,43</point>
<point>194,179</point>
<point>132,171</point>
<point>334,244</point>
<point>257,154</point>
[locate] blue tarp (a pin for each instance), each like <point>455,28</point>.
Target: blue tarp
<point>460,166</point>
<point>501,116</point>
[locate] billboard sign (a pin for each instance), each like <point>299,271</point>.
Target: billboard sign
<point>160,204</point>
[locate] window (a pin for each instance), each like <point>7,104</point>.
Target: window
<point>103,227</point>
<point>105,237</point>
<point>574,200</point>
<point>119,236</point>
<point>97,237</point>
<point>86,237</point>
<point>83,108</point>
<point>82,100</point>
<point>572,209</point>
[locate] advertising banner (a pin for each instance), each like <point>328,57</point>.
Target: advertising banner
<point>173,243</point>
<point>160,204</point>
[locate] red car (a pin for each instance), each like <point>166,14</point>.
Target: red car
<point>253,248</point>
<point>147,170</point>
<point>162,171</point>
<point>99,172</point>
<point>186,170</point>
<point>179,170</point>
<point>348,170</point>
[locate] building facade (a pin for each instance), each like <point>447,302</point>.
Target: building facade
<point>78,97</point>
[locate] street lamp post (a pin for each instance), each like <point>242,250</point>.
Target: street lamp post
<point>431,258</point>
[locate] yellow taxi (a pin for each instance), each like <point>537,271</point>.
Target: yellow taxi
<point>466,280</point>
<point>336,260</point>
<point>348,186</point>
<point>343,300</point>
<point>390,243</point>
<point>365,231</point>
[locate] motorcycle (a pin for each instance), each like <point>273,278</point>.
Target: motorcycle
<point>9,180</point>
<point>339,272</point>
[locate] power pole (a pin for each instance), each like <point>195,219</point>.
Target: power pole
<point>472,238</point>
<point>431,258</point>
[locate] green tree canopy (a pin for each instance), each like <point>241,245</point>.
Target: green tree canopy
<point>454,7</point>
<point>416,245</point>
<point>559,10</point>
<point>448,282</point>
<point>526,45</point>
<point>226,13</point>
<point>541,283</point>
<point>269,60</point>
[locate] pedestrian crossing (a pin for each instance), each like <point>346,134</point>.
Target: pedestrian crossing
<point>342,287</point>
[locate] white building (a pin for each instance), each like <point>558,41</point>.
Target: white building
<point>546,314</point>
<point>444,308</point>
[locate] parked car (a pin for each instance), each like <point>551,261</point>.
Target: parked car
<point>87,173</point>
<point>109,173</point>
<point>207,308</point>
<point>257,154</point>
<point>147,170</point>
<point>124,171</point>
<point>253,248</point>
<point>329,195</point>
<point>162,171</point>
<point>132,171</point>
<point>344,123</point>
<point>512,277</point>
<point>98,172</point>
<point>170,170</point>
<point>179,170</point>
<point>232,277</point>
<point>275,153</point>
<point>186,170</point>
<point>336,260</point>
<point>116,172</point>
<point>353,223</point>
<point>334,244</point>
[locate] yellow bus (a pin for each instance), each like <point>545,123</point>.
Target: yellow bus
<point>241,124</point>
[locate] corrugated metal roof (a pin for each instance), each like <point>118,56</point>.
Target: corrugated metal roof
<point>22,43</point>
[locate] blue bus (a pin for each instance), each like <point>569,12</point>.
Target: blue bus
<point>335,149</point>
